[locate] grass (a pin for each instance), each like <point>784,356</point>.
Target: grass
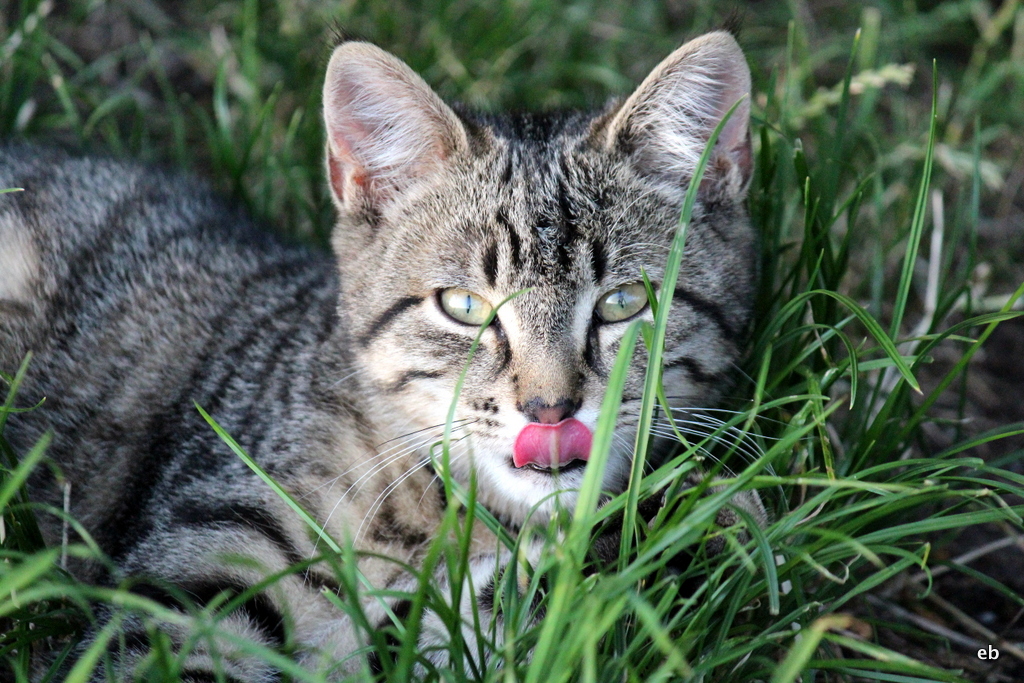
<point>834,422</point>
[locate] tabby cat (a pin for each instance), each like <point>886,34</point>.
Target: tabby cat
<point>139,292</point>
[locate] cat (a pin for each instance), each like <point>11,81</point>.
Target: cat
<point>139,292</point>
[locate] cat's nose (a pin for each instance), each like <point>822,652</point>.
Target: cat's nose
<point>537,410</point>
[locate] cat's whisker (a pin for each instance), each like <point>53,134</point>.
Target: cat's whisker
<point>743,439</point>
<point>350,375</point>
<point>422,441</point>
<point>704,452</point>
<point>717,426</point>
<point>382,496</point>
<point>700,417</point>
<point>670,433</point>
<point>704,410</point>
<point>379,501</point>
<point>430,485</point>
<point>743,445</point>
<point>750,452</point>
<point>366,462</point>
<point>419,433</point>
<point>750,380</point>
<point>623,442</point>
<point>380,467</point>
<point>743,442</point>
<point>460,422</point>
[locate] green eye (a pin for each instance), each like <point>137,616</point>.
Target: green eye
<point>465,306</point>
<point>622,302</point>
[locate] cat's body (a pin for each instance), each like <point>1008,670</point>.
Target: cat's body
<point>248,330</point>
<point>138,293</point>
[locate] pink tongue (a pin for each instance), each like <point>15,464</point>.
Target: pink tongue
<point>548,446</point>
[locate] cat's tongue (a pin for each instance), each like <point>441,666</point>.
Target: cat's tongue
<point>550,446</point>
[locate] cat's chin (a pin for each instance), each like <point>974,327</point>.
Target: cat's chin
<point>567,478</point>
<point>532,495</point>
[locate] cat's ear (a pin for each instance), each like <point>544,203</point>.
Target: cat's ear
<point>386,129</point>
<point>664,125</point>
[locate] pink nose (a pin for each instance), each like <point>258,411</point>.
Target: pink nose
<point>539,410</point>
<point>548,446</point>
<point>550,416</point>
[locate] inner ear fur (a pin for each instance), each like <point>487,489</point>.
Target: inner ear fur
<point>386,128</point>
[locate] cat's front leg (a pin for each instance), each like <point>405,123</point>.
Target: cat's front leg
<point>472,617</point>
<point>482,618</point>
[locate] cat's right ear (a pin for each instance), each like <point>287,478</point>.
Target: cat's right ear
<point>386,129</point>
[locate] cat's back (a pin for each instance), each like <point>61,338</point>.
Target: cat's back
<point>123,256</point>
<point>82,222</point>
<point>139,291</point>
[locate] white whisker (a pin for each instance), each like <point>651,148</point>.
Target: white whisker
<point>366,462</point>
<point>348,376</point>
<point>454,423</point>
<point>379,501</point>
<point>740,444</point>
<point>379,467</point>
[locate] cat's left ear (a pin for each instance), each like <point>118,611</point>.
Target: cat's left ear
<point>386,129</point>
<point>665,124</point>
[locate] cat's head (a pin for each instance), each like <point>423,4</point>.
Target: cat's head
<point>444,215</point>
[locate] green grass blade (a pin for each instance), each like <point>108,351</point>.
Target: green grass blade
<point>803,649</point>
<point>13,481</point>
<point>454,405</point>
<point>590,490</point>
<point>917,223</point>
<point>8,407</point>
<point>656,349</point>
<point>275,487</point>
<point>82,671</point>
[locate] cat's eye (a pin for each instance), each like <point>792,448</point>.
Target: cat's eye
<point>621,303</point>
<point>465,306</point>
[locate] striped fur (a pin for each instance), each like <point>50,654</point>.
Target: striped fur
<point>139,292</point>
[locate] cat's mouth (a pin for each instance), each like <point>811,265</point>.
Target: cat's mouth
<point>553,448</point>
<point>561,468</point>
